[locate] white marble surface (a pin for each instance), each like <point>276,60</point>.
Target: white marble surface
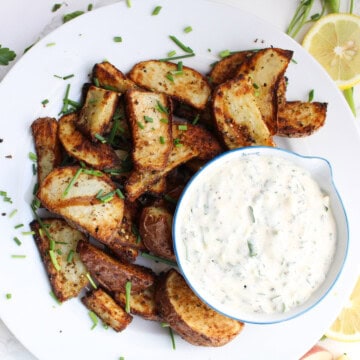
<point>23,22</point>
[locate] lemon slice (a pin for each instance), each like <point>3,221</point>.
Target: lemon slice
<point>334,41</point>
<point>347,325</point>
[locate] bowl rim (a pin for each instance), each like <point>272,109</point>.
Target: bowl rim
<point>304,307</point>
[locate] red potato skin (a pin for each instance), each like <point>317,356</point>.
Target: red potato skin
<point>317,353</point>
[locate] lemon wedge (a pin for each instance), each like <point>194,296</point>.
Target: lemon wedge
<point>334,41</point>
<point>347,325</point>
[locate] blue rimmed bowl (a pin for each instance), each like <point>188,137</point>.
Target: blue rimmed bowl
<point>194,272</point>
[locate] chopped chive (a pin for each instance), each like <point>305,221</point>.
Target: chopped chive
<point>56,7</point>
<point>127,296</point>
<point>181,45</point>
<point>140,125</point>
<point>107,197</point>
<point>171,53</point>
<point>68,76</point>
<point>187,29</point>
<point>72,15</point>
<point>32,156</point>
<point>311,95</point>
<point>182,127</point>
<point>92,172</point>
<point>100,138</point>
<point>94,319</point>
<point>70,256</point>
<point>172,338</point>
<point>52,294</point>
<point>128,3</point>
<point>156,10</point>
<point>65,106</point>
<point>13,213</point>
<point>251,249</point>
<point>160,107</point>
<point>8,296</point>
<point>28,232</point>
<point>119,193</point>
<point>17,241</point>
<point>177,57</point>
<point>34,169</point>
<point>158,259</point>
<point>224,53</point>
<point>170,77</point>
<point>117,39</point>
<point>18,226</point>
<point>251,213</point>
<point>90,7</point>
<point>162,140</point>
<point>196,119</point>
<point>49,44</point>
<point>91,281</point>
<point>177,142</point>
<point>136,232</point>
<point>148,119</point>
<point>18,256</point>
<point>99,193</point>
<point>165,121</point>
<point>113,131</point>
<point>121,358</point>
<point>51,244</point>
<point>164,324</point>
<point>72,182</point>
<point>96,81</point>
<point>54,260</point>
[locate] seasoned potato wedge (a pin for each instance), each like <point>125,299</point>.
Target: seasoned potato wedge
<point>100,156</point>
<point>155,227</point>
<point>142,304</point>
<point>265,68</point>
<point>78,203</point>
<point>111,273</point>
<point>109,77</point>
<point>47,146</point>
<point>105,307</point>
<point>299,119</point>
<point>97,112</point>
<point>227,68</point>
<point>70,277</point>
<point>237,115</point>
<point>186,85</point>
<point>192,319</point>
<point>150,126</point>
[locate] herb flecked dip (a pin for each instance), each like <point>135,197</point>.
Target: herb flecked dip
<point>258,235</point>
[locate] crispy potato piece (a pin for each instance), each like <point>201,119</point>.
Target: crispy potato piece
<point>192,319</point>
<point>70,278</point>
<point>155,228</point>
<point>140,182</point>
<point>100,156</point>
<point>97,112</point>
<point>79,206</point>
<point>227,68</point>
<point>237,115</point>
<point>266,67</point>
<point>150,128</point>
<point>109,77</point>
<point>142,304</point>
<point>105,307</point>
<point>111,273</point>
<point>188,86</point>
<point>125,254</point>
<point>299,119</point>
<point>47,146</point>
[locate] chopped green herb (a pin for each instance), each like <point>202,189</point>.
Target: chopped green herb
<point>311,95</point>
<point>177,142</point>
<point>181,45</point>
<point>72,15</point>
<point>188,29</point>
<point>107,197</point>
<point>170,77</point>
<point>94,319</point>
<point>72,181</point>
<point>6,55</point>
<point>165,121</point>
<point>34,170</point>
<point>300,17</point>
<point>127,296</point>
<point>196,119</point>
<point>8,296</point>
<point>92,172</point>
<point>177,57</point>
<point>251,213</point>
<point>18,256</point>
<point>68,76</point>
<point>158,259</point>
<point>18,226</point>
<point>140,125</point>
<point>65,107</point>
<point>56,7</point>
<point>32,156</point>
<point>70,256</point>
<point>91,281</point>
<point>160,107</point>
<point>100,138</point>
<point>119,193</point>
<point>50,44</point>
<point>13,213</point>
<point>171,53</point>
<point>182,127</point>
<point>148,119</point>
<point>17,241</point>
<point>162,140</point>
<point>117,39</point>
<point>52,294</point>
<point>156,10</point>
<point>45,102</point>
<point>224,53</point>
<point>90,7</point>
<point>28,232</point>
<point>172,338</point>
<point>128,3</point>
<point>251,249</point>
<point>136,232</point>
<point>54,260</point>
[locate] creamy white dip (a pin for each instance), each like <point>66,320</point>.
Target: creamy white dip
<point>258,235</point>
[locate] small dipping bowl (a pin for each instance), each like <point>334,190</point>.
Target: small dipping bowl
<point>206,265</point>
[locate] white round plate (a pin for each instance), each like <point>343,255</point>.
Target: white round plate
<point>52,331</point>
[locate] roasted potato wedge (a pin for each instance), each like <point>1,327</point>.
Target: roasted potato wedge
<point>299,119</point>
<point>70,277</point>
<point>107,76</point>
<point>149,116</point>
<point>72,194</point>
<point>186,84</point>
<point>111,273</point>
<point>192,319</point>
<point>100,156</point>
<point>47,146</point>
<point>266,68</point>
<point>96,114</point>
<point>105,307</point>
<point>237,115</point>
<point>155,227</point>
